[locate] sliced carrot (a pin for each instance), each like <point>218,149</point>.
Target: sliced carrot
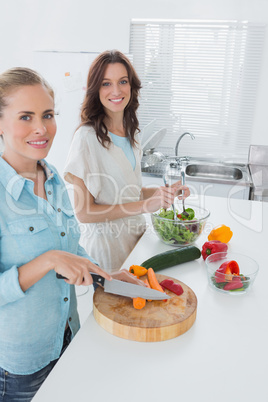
<point>153,280</point>
<point>148,286</point>
<point>139,303</point>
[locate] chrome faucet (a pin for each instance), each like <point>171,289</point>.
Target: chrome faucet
<point>179,139</point>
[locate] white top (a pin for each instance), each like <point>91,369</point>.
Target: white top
<point>110,178</point>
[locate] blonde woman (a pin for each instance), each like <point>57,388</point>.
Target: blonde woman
<point>39,237</point>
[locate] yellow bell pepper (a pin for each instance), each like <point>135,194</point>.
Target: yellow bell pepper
<point>137,270</point>
<point>222,233</point>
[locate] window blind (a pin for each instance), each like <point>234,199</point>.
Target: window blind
<point>202,77</point>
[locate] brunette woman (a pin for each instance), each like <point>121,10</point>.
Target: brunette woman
<point>104,164</point>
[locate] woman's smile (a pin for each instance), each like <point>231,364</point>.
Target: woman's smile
<point>115,90</point>
<point>117,101</point>
<point>38,144</point>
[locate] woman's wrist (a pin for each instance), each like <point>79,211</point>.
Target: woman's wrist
<point>146,206</point>
<point>48,261</point>
<point>34,270</point>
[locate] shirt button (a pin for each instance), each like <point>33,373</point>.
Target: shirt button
<point>62,234</point>
<point>31,228</point>
<point>65,299</point>
<point>70,319</point>
<point>49,192</point>
<point>59,210</point>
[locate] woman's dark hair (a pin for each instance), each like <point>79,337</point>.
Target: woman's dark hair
<point>92,111</point>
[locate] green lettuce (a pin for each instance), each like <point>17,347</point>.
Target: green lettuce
<point>176,232</point>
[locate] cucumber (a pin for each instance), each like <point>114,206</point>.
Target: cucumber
<point>172,257</point>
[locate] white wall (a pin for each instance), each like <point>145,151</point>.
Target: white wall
<point>90,25</point>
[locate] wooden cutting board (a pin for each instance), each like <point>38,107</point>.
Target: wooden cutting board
<point>157,321</point>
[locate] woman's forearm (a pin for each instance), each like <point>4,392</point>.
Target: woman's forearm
<point>88,211</point>
<point>94,213</point>
<point>148,192</point>
<point>34,270</point>
<point>101,213</point>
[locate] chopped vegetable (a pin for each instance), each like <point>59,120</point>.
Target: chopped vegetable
<point>173,233</point>
<point>166,214</point>
<point>226,271</point>
<point>173,287</point>
<point>137,270</point>
<point>147,283</point>
<point>222,233</point>
<point>228,277</point>
<point>235,283</point>
<point>211,247</point>
<point>166,282</point>
<point>232,288</point>
<point>188,217</point>
<point>139,303</point>
<point>153,280</point>
<point>148,286</point>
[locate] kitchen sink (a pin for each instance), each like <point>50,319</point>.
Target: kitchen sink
<point>212,171</point>
<point>206,176</point>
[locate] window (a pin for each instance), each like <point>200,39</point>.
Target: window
<point>201,77</point>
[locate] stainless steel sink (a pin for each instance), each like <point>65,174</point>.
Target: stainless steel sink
<point>212,171</point>
<point>206,170</point>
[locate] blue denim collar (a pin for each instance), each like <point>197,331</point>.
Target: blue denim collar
<point>14,183</point>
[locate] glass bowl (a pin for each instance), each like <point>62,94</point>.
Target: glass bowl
<point>181,232</point>
<point>231,283</point>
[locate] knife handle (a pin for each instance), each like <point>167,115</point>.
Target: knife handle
<point>96,278</point>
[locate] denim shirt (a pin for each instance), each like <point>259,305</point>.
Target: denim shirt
<point>32,323</point>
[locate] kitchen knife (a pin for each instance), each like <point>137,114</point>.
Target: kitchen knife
<point>125,288</point>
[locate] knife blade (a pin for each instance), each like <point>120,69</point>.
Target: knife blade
<point>127,289</point>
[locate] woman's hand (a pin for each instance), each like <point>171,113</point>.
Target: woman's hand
<point>182,192</point>
<point>163,197</point>
<point>77,269</point>
<point>125,276</point>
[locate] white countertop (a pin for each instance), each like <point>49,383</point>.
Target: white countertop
<point>223,357</point>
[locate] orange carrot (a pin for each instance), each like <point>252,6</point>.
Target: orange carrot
<point>147,283</point>
<point>139,303</point>
<point>153,281</point>
<point>148,286</point>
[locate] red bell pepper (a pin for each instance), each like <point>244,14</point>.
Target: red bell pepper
<point>226,271</point>
<point>213,246</point>
<point>235,283</point>
<point>173,287</point>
